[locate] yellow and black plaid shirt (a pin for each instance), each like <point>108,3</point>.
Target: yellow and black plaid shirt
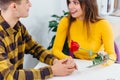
<point>14,42</point>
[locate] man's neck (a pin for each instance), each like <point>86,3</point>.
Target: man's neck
<point>9,18</point>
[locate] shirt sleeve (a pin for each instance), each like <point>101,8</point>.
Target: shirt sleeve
<point>8,71</point>
<point>37,50</point>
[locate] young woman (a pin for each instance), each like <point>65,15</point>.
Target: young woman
<point>84,26</point>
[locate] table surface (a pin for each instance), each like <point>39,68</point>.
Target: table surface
<point>99,72</point>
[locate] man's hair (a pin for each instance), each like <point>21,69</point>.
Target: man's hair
<point>5,3</point>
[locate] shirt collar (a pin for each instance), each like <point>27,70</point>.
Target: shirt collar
<point>7,27</point>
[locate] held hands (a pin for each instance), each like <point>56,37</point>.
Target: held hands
<point>63,67</point>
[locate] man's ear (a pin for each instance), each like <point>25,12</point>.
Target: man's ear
<point>13,6</point>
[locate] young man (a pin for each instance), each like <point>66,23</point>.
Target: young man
<point>15,41</point>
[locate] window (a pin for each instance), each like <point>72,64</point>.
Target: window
<point>109,7</point>
<point>116,11</point>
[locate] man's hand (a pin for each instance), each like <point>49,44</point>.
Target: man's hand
<point>63,67</point>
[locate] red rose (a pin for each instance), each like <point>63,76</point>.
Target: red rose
<point>74,46</point>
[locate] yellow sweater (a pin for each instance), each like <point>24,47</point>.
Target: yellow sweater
<point>101,34</point>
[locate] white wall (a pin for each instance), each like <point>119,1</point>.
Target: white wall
<point>37,23</point>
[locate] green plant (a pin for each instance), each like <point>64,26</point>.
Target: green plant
<point>53,24</point>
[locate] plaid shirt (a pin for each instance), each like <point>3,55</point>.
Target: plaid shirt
<point>14,42</point>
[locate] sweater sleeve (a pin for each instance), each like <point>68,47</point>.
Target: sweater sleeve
<point>60,38</point>
<point>108,40</point>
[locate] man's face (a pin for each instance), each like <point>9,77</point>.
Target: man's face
<point>22,9</point>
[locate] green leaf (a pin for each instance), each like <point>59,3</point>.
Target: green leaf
<point>53,23</point>
<point>65,13</point>
<point>54,29</point>
<point>55,16</point>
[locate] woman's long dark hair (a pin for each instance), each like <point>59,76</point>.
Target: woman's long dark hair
<point>90,10</point>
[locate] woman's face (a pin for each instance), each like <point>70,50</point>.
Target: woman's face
<point>75,9</point>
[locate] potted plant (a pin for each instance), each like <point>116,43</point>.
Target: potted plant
<point>53,24</point>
